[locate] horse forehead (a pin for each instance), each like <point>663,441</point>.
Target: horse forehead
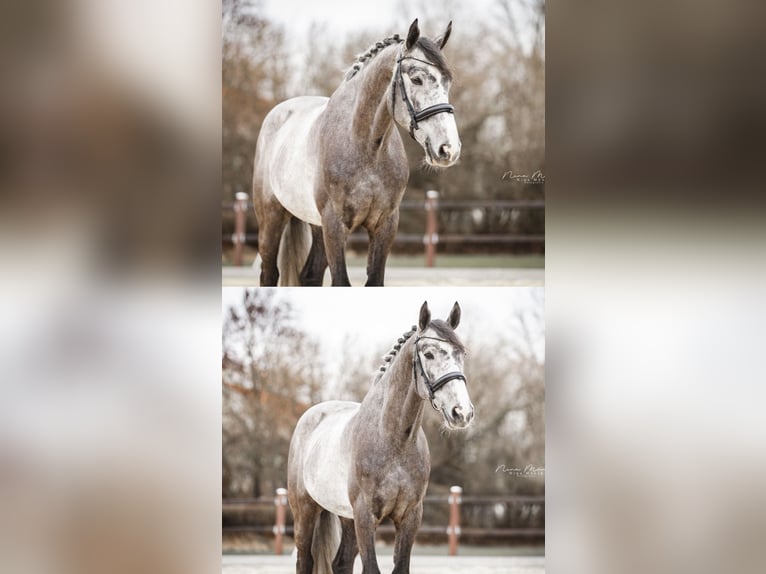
<point>431,337</point>
<point>432,68</point>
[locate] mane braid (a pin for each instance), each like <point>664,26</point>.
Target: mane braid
<point>391,355</point>
<point>363,58</point>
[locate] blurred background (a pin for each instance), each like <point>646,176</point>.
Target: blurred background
<point>110,223</point>
<point>492,201</point>
<point>341,338</point>
<point>109,297</point>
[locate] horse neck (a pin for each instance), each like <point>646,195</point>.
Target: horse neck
<point>372,120</point>
<point>402,407</point>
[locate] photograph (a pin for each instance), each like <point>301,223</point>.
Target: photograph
<point>382,429</point>
<point>396,143</point>
<point>400,144</point>
<point>561,369</point>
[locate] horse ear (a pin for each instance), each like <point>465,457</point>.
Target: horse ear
<point>442,40</point>
<point>425,316</point>
<point>413,34</point>
<point>454,316</point>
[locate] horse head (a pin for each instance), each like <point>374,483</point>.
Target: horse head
<point>422,81</point>
<point>438,358</point>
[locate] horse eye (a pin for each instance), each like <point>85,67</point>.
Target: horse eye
<point>417,81</point>
<point>429,355</point>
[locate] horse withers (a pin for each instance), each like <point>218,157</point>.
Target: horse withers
<point>351,465</point>
<point>327,166</point>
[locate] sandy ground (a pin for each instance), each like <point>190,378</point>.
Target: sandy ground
<point>265,564</point>
<point>414,277</point>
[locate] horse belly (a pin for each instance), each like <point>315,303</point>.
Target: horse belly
<point>293,168</point>
<point>327,463</point>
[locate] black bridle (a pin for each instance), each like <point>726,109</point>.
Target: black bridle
<point>423,114</point>
<point>433,386</point>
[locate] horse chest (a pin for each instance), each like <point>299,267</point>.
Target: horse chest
<point>364,200</point>
<point>362,186</point>
<point>391,478</point>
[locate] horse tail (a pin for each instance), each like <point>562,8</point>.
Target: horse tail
<point>326,541</point>
<point>294,247</point>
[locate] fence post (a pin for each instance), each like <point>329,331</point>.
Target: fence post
<point>240,221</point>
<point>279,528</point>
<point>454,518</point>
<point>431,238</point>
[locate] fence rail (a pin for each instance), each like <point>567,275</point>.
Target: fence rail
<point>445,203</point>
<point>452,530</point>
<point>430,238</point>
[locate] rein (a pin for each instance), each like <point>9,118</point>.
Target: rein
<point>415,116</point>
<point>433,386</point>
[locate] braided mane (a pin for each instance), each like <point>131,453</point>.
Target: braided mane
<point>363,58</point>
<point>389,357</point>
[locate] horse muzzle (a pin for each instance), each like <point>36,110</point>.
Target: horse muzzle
<point>444,155</point>
<point>458,417</point>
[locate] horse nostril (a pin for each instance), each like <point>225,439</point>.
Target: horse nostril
<point>445,151</point>
<point>457,413</point>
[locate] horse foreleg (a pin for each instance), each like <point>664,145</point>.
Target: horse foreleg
<point>344,559</point>
<point>406,529</point>
<point>335,233</point>
<point>381,240</point>
<point>313,272</point>
<point>364,525</point>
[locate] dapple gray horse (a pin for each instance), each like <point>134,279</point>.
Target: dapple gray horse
<point>326,166</point>
<point>351,465</point>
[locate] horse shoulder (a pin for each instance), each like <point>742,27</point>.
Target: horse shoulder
<point>424,453</point>
<point>395,163</point>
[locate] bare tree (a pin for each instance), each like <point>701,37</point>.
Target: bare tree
<point>271,374</point>
<point>359,370</point>
<point>255,75</point>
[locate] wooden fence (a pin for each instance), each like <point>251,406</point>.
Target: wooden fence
<point>430,237</point>
<point>453,530</point>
